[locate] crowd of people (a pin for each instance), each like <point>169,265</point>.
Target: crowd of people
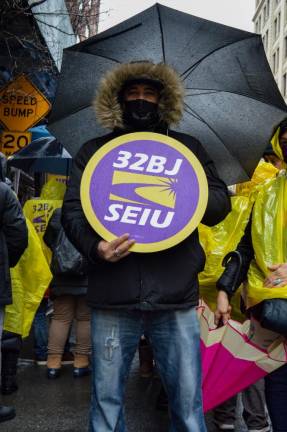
<point>120,301</point>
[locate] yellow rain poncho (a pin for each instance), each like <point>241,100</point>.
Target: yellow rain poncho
<point>53,190</point>
<point>217,241</point>
<point>39,211</point>
<point>30,279</point>
<point>264,171</point>
<point>269,235</point>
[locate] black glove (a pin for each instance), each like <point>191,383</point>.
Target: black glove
<point>230,279</point>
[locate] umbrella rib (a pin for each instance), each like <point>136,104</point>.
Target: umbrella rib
<point>189,70</point>
<point>161,33</point>
<point>194,114</point>
<point>213,91</point>
<point>208,92</point>
<point>97,39</point>
<point>108,58</point>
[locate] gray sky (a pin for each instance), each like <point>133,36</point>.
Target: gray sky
<point>235,13</point>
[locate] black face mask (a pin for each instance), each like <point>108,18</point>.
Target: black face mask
<point>140,114</point>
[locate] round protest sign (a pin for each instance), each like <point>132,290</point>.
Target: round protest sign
<point>148,185</point>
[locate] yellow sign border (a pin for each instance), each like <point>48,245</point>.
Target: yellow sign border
<point>148,136</point>
<point>36,89</point>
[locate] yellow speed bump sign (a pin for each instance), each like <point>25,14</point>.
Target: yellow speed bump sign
<point>22,105</point>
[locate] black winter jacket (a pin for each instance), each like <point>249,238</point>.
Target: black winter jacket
<point>151,281</point>
<point>13,239</point>
<point>62,284</point>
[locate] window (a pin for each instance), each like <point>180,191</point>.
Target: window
<point>266,40</point>
<point>277,22</point>
<point>265,14</point>
<point>274,62</point>
<point>259,24</point>
<point>268,8</point>
<point>285,47</point>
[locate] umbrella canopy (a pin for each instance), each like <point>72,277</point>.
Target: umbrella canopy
<point>45,154</point>
<point>232,359</point>
<point>232,102</point>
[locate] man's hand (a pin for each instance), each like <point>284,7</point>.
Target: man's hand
<point>277,276</point>
<point>223,309</point>
<point>115,250</point>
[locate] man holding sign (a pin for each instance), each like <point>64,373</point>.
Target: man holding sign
<point>130,194</point>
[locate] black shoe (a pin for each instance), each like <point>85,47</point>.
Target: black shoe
<point>53,373</point>
<point>80,372</point>
<point>6,413</point>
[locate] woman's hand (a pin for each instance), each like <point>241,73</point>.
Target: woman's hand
<point>116,249</point>
<point>223,309</point>
<point>277,276</point>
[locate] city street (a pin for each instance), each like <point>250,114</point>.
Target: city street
<point>62,405</point>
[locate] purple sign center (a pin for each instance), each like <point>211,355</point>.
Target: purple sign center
<point>145,188</point>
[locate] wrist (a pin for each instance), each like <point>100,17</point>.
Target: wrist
<point>224,294</point>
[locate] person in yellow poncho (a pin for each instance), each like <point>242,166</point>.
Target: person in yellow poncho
<point>264,255</point>
<point>217,241</point>
<point>39,211</point>
<point>30,279</point>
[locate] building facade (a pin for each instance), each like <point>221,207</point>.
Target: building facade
<point>270,20</point>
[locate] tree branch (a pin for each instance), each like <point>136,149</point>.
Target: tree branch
<point>37,3</point>
<point>55,27</point>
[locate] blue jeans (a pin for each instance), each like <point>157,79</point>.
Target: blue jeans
<point>174,336</point>
<point>41,330</point>
<point>276,398</point>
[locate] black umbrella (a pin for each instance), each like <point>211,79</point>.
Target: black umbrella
<point>232,102</point>
<point>45,154</point>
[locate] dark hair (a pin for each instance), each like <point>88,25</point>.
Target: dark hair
<point>283,127</point>
<point>268,151</point>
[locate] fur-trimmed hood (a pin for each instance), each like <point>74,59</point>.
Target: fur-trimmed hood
<point>108,108</point>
